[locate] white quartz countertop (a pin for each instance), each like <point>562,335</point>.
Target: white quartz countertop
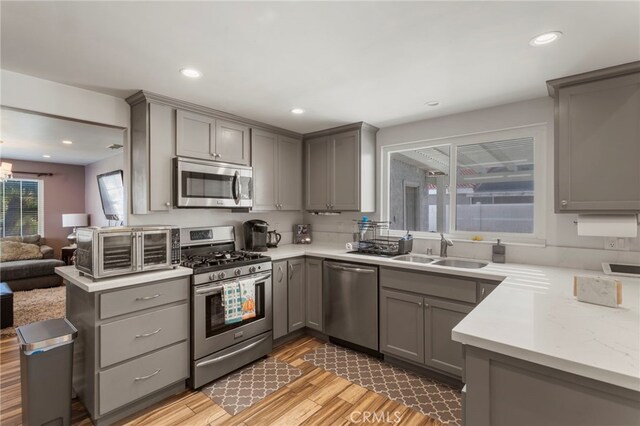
<point>533,316</point>
<point>72,275</point>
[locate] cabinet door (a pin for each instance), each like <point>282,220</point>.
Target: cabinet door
<point>195,135</point>
<point>345,171</point>
<point>317,174</point>
<point>440,350</point>
<point>161,142</point>
<point>314,294</point>
<point>598,146</point>
<point>297,299</point>
<point>280,325</point>
<point>265,165</point>
<point>402,325</point>
<point>232,143</point>
<point>289,171</point>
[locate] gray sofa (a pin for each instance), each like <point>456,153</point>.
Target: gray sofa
<point>23,275</point>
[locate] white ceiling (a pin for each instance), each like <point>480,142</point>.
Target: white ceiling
<point>28,136</point>
<point>340,61</point>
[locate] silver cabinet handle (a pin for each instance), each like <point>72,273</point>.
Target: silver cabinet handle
<point>420,304</point>
<point>168,204</point>
<point>426,305</point>
<point>281,273</point>
<point>149,297</point>
<point>564,203</point>
<point>147,377</point>
<point>482,293</point>
<point>290,271</point>
<point>148,334</point>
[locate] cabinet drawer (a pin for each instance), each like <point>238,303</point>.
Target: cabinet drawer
<point>124,339</point>
<point>453,288</point>
<point>138,298</point>
<point>135,379</point>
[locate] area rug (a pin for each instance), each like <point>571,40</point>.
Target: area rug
<point>36,305</point>
<point>431,398</point>
<point>242,389</point>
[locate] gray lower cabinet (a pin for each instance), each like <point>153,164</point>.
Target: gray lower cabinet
<point>296,294</point>
<point>418,312</point>
<point>280,299</point>
<point>402,325</point>
<point>504,391</point>
<point>313,282</point>
<point>597,141</point>
<point>132,347</point>
<point>441,351</point>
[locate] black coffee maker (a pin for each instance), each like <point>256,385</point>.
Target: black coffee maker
<point>255,235</point>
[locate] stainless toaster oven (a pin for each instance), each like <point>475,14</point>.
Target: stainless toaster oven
<point>110,251</point>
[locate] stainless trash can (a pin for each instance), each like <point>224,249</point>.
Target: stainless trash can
<point>46,361</point>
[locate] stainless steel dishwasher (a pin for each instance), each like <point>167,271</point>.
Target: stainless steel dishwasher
<point>350,303</point>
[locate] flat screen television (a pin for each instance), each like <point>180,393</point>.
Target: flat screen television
<point>111,190</point>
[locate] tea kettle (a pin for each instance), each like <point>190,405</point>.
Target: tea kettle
<point>273,239</point>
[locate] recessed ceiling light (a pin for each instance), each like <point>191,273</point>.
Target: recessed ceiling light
<point>297,111</point>
<point>190,72</point>
<point>46,155</point>
<point>67,142</point>
<point>546,38</point>
<point>432,103</point>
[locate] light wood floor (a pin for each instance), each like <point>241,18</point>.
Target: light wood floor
<point>318,397</point>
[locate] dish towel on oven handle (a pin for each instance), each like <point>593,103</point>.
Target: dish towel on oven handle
<point>232,302</point>
<point>248,298</point>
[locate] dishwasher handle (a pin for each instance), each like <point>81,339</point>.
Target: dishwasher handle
<point>351,269</point>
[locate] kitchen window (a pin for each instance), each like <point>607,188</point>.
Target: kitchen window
<point>22,211</point>
<point>490,185</point>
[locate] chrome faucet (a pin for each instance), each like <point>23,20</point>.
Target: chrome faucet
<point>444,243</point>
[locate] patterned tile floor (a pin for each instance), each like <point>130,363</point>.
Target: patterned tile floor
<point>431,398</point>
<point>245,387</point>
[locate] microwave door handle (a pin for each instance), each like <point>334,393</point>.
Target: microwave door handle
<point>236,187</point>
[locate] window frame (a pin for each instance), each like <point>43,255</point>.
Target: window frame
<point>538,132</point>
<point>40,183</point>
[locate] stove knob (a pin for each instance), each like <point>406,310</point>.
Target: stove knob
<point>237,272</point>
<point>212,277</point>
<point>252,269</point>
<point>221,275</point>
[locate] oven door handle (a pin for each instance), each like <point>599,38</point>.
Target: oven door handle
<point>210,290</point>
<point>234,353</point>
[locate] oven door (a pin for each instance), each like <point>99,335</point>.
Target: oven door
<point>209,184</point>
<point>156,249</point>
<point>118,253</point>
<point>210,333</point>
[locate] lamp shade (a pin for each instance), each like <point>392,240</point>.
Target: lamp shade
<point>72,220</point>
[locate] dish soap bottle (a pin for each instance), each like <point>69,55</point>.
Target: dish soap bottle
<point>499,253</point>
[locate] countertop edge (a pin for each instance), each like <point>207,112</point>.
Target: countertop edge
<point>71,275</point>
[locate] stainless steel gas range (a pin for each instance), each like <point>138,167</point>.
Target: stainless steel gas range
<point>218,348</point>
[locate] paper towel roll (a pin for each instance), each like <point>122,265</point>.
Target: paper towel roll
<point>596,225</point>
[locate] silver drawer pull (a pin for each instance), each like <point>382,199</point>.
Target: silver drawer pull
<point>147,377</point>
<point>148,334</point>
<point>148,297</point>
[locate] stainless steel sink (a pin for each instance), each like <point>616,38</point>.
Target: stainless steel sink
<point>458,263</point>
<point>413,258</point>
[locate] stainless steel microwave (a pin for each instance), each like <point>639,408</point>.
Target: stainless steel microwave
<point>110,251</point>
<point>212,184</point>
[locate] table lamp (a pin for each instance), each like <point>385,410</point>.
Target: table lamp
<point>74,220</point>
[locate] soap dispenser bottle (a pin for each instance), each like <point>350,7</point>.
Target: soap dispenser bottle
<point>499,253</point>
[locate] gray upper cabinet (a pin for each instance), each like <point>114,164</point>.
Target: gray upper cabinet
<point>277,171</point>
<point>195,135</point>
<point>440,350</point>
<point>297,294</point>
<point>314,294</point>
<point>232,143</point>
<point>152,148</point>
<point>597,141</point>
<point>340,168</point>
<point>264,147</point>
<point>280,303</point>
<point>402,325</point>
<point>289,173</point>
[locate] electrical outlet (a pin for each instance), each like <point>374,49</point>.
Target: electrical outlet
<point>615,243</point>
